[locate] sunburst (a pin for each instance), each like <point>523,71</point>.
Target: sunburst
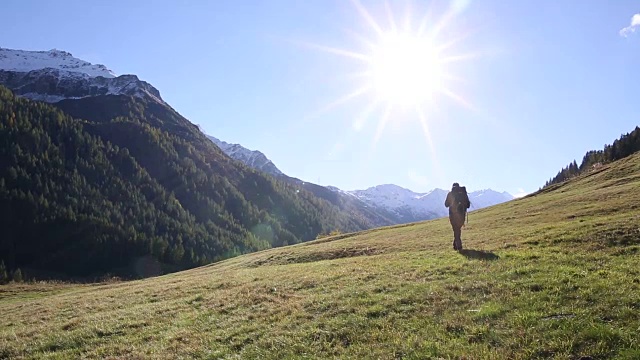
<point>403,67</point>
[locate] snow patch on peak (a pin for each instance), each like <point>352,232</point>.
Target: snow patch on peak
<point>26,61</point>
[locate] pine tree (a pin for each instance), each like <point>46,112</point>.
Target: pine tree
<point>17,275</point>
<point>3,273</point>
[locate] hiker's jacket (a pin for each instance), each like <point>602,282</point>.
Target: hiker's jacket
<point>457,201</point>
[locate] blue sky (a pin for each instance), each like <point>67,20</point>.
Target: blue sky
<point>548,80</point>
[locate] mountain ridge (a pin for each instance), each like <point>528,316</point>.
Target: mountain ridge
<point>55,75</point>
<point>252,158</point>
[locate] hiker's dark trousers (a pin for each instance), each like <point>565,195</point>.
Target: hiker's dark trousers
<point>457,220</point>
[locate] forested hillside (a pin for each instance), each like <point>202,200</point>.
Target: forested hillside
<point>626,145</point>
<point>134,179</point>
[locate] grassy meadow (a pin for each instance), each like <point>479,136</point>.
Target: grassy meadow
<point>552,275</point>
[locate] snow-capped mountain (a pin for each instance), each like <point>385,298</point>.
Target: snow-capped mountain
<point>484,198</point>
<point>252,158</point>
<point>55,75</point>
<point>410,206</point>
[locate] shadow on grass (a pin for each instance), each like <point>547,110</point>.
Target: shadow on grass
<point>478,254</point>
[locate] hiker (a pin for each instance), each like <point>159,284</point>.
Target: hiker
<point>458,202</point>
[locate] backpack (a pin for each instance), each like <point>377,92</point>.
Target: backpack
<point>461,199</point>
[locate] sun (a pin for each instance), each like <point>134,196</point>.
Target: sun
<point>405,69</point>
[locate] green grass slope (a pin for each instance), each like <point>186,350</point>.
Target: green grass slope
<point>553,275</point>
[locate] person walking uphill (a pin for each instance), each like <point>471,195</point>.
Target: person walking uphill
<point>458,202</point>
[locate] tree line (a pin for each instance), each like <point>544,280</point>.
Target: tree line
<point>626,145</point>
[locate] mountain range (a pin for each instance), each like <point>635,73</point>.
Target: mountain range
<point>409,206</point>
<point>399,205</point>
<point>107,173</point>
<point>56,75</point>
